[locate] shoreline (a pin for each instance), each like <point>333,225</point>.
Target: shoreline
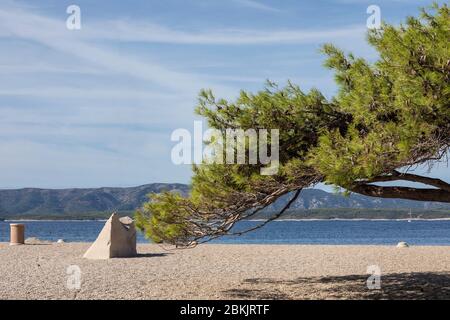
<point>255,220</point>
<point>171,248</point>
<point>356,219</point>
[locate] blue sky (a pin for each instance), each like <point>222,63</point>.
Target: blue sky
<point>96,107</point>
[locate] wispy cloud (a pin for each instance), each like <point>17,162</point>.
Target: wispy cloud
<point>256,5</point>
<point>45,68</point>
<point>53,34</point>
<point>96,106</point>
<point>123,30</point>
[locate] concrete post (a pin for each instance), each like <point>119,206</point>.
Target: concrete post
<point>17,234</point>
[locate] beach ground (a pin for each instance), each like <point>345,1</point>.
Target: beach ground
<point>40,271</point>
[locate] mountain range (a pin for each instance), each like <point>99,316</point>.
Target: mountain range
<point>31,202</point>
<point>98,202</point>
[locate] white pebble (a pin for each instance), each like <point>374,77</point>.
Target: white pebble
<point>402,245</point>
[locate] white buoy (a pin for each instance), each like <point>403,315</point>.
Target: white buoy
<point>60,241</point>
<point>402,245</point>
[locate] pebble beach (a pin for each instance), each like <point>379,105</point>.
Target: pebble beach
<point>221,271</point>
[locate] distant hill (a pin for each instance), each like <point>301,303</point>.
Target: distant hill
<point>78,202</point>
<point>100,202</point>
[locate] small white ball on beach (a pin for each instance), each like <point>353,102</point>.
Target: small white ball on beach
<point>60,241</point>
<point>402,245</point>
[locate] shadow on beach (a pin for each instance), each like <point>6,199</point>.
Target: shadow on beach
<point>393,286</point>
<point>150,255</point>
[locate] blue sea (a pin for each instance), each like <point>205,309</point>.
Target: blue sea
<point>334,232</point>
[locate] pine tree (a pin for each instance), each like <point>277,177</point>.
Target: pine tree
<point>387,116</point>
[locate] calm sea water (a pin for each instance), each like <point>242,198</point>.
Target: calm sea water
<point>423,232</point>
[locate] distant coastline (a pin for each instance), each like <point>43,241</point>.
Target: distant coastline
<point>98,204</point>
<point>294,215</point>
<point>355,219</point>
<point>51,220</point>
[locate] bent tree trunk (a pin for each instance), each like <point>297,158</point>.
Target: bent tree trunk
<point>403,193</point>
<point>440,192</point>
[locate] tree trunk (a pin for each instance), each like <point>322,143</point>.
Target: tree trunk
<point>418,194</point>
